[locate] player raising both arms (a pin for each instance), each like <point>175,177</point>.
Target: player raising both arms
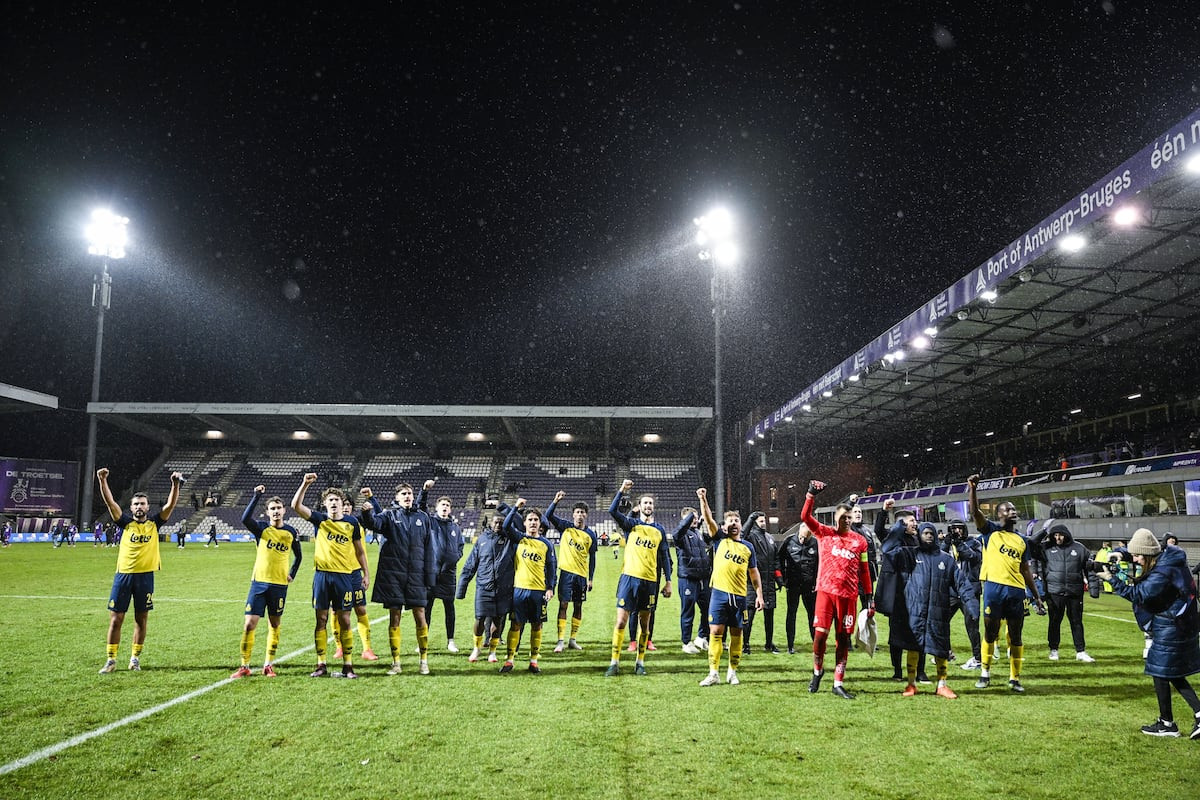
<point>842,576</point>
<point>137,561</point>
<point>268,587</point>
<point>577,557</point>
<point>339,552</point>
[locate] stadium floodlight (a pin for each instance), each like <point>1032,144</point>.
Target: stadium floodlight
<point>1125,216</point>
<point>931,332</point>
<point>651,437</point>
<point>387,436</point>
<point>750,440</point>
<point>1072,243</point>
<point>920,342</point>
<point>1075,411</point>
<point>214,435</point>
<point>475,436</point>
<point>962,315</point>
<point>957,441</point>
<point>562,437</point>
<point>715,238</point>
<point>106,236</point>
<point>806,407</point>
<point>301,435</point>
<point>1134,396</point>
<point>990,433</point>
<point>989,294</point>
<point>1192,165</point>
<point>827,393</point>
<point>787,419</point>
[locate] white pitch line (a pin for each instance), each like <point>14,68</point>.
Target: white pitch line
<point>1105,616</point>
<point>54,749</point>
<point>105,599</point>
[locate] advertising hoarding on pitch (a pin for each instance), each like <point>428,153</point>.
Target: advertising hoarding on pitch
<point>29,487</point>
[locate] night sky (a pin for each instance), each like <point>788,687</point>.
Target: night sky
<point>495,205</point>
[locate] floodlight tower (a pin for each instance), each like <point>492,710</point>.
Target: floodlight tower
<point>718,246</point>
<point>106,238</point>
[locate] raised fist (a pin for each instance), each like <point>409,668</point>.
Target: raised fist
<point>702,493</point>
<point>815,487</point>
<point>102,473</point>
<point>520,502</point>
<point>177,477</point>
<point>973,480</point>
<point>889,504</point>
<point>310,477</point>
<point>626,485</point>
<point>558,496</point>
<point>853,499</point>
<point>366,492</point>
<point>428,485</point>
<point>260,489</point>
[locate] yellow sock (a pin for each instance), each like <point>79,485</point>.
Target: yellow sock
<point>337,630</point>
<point>514,641</point>
<point>562,629</point>
<point>575,623</point>
<point>320,638</point>
<point>247,647</point>
<point>394,642</point>
<point>1016,662</point>
<point>643,636</point>
<point>137,649</point>
<point>347,640</point>
<point>272,644</point>
<point>112,650</point>
<point>618,644</point>
<point>494,645</point>
<point>364,630</point>
<point>989,649</point>
<point>942,671</point>
<point>714,653</point>
<point>735,647</point>
<point>423,641</point>
<point>913,657</point>
<point>478,642</point>
<point>535,644</point>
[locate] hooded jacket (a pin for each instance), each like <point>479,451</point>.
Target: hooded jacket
<point>766,553</point>
<point>693,550</point>
<point>1064,567</point>
<point>1164,604</point>
<point>932,576</point>
<point>491,564</point>
<point>889,591</point>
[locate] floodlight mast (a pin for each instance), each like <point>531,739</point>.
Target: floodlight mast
<point>106,238</point>
<point>715,238</point>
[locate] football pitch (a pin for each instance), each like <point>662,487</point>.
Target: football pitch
<point>181,728</point>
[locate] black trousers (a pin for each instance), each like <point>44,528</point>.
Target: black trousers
<point>1072,607</point>
<point>794,595</point>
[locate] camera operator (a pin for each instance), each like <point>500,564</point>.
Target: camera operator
<point>1164,603</point>
<point>1065,574</point>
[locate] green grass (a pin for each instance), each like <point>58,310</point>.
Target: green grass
<point>465,731</point>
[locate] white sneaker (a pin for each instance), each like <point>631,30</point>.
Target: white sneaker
<point>395,670</point>
<point>713,678</point>
<point>691,649</point>
<point>573,645</point>
<point>701,642</point>
<point>492,659</point>
<point>135,665</point>
<point>451,646</point>
<point>1054,655</point>
<point>558,648</point>
<point>109,666</point>
<point>1083,656</point>
<point>972,663</point>
<point>474,655</point>
<point>424,667</point>
<point>731,677</point>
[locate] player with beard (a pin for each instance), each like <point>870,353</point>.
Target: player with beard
<point>734,566</point>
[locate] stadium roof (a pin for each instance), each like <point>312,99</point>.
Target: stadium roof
<point>1095,306</point>
<point>14,398</point>
<point>431,428</point>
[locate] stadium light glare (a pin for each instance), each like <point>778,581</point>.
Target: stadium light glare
<point>651,437</point>
<point>989,294</point>
<point>1075,411</point>
<point>826,393</point>
<point>387,436</point>
<point>787,419</point>
<point>1192,165</point>
<point>920,343</point>
<point>1126,216</point>
<point>957,441</point>
<point>990,433</point>
<point>1072,243</point>
<point>214,435</point>
<point>750,440</point>
<point>806,407</point>
<point>562,437</point>
<point>906,455</point>
<point>962,315</point>
<point>717,223</point>
<point>106,234</point>
<point>761,435</point>
<point>859,455</point>
<point>1134,396</point>
<point>855,378</point>
<point>474,436</point>
<point>726,254</point>
<point>931,332</point>
<point>301,435</point>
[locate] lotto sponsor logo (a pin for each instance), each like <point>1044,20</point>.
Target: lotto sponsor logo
<point>735,558</point>
<point>842,552</point>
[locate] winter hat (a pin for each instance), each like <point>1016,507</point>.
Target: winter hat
<point>1143,543</point>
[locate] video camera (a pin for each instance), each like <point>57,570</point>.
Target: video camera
<point>1119,564</point>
